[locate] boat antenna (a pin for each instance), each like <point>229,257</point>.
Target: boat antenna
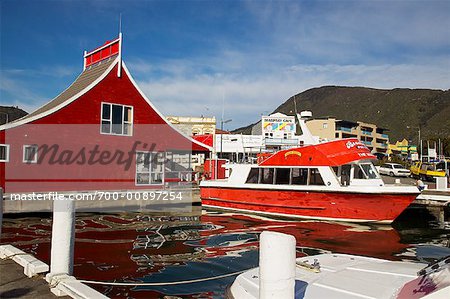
<point>295,110</point>
<point>295,104</point>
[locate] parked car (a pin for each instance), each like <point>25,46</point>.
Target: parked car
<point>394,169</point>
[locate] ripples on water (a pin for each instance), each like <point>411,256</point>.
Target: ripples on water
<point>138,248</point>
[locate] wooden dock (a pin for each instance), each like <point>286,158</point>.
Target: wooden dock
<point>437,202</point>
<point>14,283</point>
<point>126,201</point>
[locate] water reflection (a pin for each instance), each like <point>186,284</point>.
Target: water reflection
<point>138,248</point>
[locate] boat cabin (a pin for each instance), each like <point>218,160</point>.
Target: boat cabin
<point>309,166</point>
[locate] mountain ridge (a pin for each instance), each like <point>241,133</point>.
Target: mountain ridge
<point>401,110</point>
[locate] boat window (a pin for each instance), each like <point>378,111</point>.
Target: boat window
<point>266,176</point>
<point>299,176</point>
<point>314,177</point>
<point>336,170</point>
<point>369,170</point>
<point>282,176</point>
<point>365,171</point>
<point>253,176</point>
<point>359,173</point>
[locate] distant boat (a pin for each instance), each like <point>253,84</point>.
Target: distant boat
<point>334,180</point>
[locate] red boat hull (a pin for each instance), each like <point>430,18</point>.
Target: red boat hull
<point>341,206</point>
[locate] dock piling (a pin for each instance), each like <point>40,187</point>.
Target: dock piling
<point>441,183</point>
<point>63,237</point>
<point>276,265</point>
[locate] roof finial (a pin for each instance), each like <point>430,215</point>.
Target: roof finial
<point>120,23</point>
<point>119,66</point>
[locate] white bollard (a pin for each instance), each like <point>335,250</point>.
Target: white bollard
<point>276,266</point>
<point>63,238</point>
<point>441,183</point>
<point>397,181</point>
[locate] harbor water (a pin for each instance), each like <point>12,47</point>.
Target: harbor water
<point>136,248</point>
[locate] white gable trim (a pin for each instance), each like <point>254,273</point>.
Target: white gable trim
<point>159,113</point>
<point>26,119</point>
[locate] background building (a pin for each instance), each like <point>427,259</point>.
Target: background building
<point>10,113</point>
<point>403,149</point>
<point>330,128</point>
<point>191,125</point>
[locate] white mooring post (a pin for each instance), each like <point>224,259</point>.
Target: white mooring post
<point>441,183</point>
<point>60,278</point>
<point>63,237</point>
<point>276,266</point>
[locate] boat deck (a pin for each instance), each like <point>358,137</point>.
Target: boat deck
<point>341,276</point>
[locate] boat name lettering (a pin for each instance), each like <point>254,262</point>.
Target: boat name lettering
<point>358,144</point>
<point>292,153</point>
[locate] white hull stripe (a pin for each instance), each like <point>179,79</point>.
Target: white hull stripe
<point>298,216</point>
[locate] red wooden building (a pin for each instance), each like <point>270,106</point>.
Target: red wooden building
<point>101,133</point>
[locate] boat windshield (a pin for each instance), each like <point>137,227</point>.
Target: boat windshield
<point>365,171</point>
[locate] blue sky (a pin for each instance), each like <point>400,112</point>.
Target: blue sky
<point>248,57</point>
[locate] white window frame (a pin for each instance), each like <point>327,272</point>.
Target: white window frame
<point>25,147</point>
<point>130,122</point>
<point>149,171</point>
<point>6,152</point>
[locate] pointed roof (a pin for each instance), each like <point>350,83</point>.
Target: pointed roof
<point>97,65</point>
<point>90,75</point>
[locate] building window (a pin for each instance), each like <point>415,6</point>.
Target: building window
<point>195,132</point>
<point>325,125</point>
<point>149,168</point>
<point>117,119</point>
<point>30,153</point>
<point>4,152</point>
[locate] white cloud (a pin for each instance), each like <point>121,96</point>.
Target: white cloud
<point>247,97</point>
<point>354,31</point>
<point>26,88</point>
<point>286,47</point>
